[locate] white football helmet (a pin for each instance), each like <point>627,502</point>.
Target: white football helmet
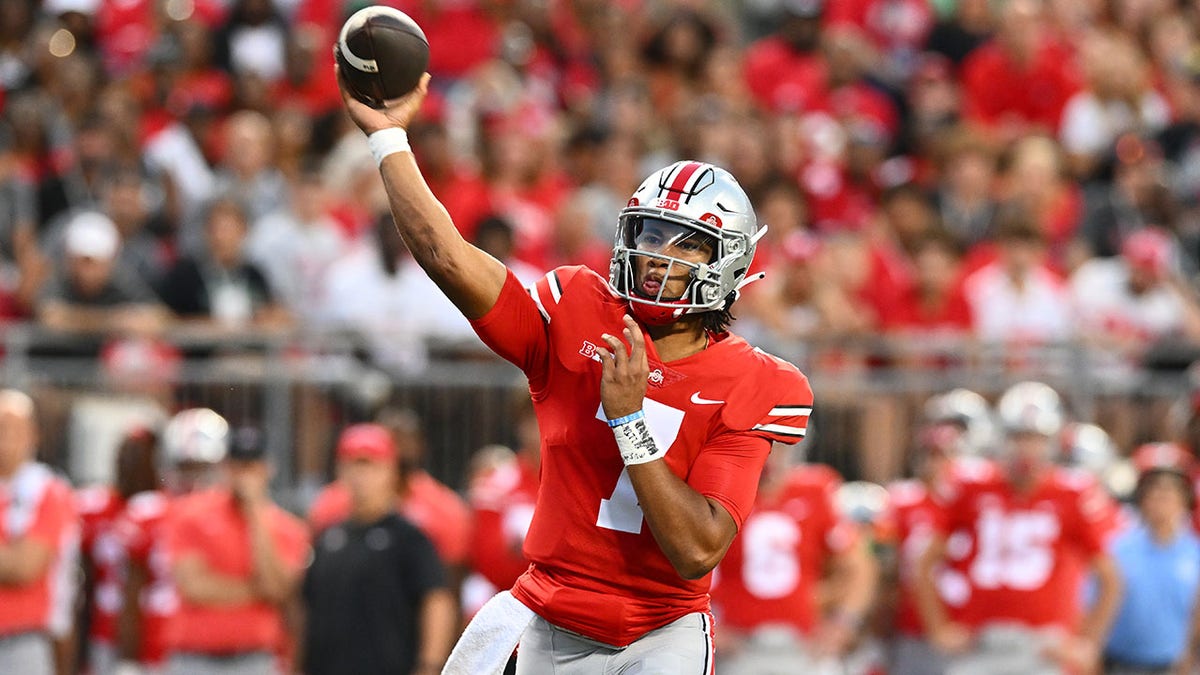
<point>1088,447</point>
<point>698,203</point>
<point>196,435</point>
<point>968,410</point>
<point>1031,407</point>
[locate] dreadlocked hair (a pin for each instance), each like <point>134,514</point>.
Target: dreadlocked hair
<point>717,321</point>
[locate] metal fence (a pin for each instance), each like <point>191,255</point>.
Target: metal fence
<point>302,387</point>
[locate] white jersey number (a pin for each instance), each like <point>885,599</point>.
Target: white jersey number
<point>621,511</point>
<point>1014,550</point>
<point>770,566</point>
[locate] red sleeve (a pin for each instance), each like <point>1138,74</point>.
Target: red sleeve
<point>840,535</point>
<point>774,403</point>
<point>727,470</point>
<point>291,540</point>
<point>491,554</point>
<point>55,514</point>
<point>516,328</point>
<point>331,506</point>
<point>1096,517</point>
<point>456,527</point>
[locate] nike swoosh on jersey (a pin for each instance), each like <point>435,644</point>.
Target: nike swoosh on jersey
<point>704,401</point>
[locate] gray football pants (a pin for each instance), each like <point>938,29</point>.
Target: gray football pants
<point>682,647</point>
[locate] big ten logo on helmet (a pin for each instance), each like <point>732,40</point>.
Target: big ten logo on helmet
<point>664,203</point>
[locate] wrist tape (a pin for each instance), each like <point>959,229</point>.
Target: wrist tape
<point>386,142</point>
<point>634,441</point>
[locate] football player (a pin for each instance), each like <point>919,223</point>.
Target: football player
<point>767,594</point>
<point>655,420</point>
<point>192,447</point>
<point>957,430</point>
<point>102,554</point>
<point>1035,531</point>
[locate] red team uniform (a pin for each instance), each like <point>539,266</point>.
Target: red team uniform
<point>913,514</point>
<point>141,531</point>
<point>502,507</point>
<point>714,413</point>
<point>771,572</point>
<point>98,509</point>
<point>1029,554</point>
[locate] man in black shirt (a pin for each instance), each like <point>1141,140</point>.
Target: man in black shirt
<point>376,593</point>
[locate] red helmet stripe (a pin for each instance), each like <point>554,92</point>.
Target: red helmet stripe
<point>684,175</point>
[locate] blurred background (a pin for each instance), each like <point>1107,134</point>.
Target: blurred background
<point>959,193</point>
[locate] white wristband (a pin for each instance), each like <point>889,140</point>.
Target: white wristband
<point>387,141</point>
<point>636,444</point>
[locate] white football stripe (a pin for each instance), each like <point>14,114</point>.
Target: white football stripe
<point>538,301</point>
<point>797,411</point>
<point>555,291</point>
<point>354,23</point>
<point>780,429</point>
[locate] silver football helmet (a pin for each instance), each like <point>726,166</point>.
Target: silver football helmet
<point>968,410</point>
<point>196,435</point>
<point>1088,447</point>
<point>690,206</point>
<point>1031,407</point>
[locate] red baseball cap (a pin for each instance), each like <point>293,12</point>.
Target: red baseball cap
<point>366,441</point>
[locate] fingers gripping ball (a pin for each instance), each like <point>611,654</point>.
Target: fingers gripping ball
<point>381,54</point>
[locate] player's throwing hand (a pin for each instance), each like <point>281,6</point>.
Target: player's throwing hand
<point>624,373</point>
<point>397,113</point>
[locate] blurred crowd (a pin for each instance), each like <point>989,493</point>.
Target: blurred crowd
<point>1016,174</point>
<point>1024,541</point>
<point>946,184</point>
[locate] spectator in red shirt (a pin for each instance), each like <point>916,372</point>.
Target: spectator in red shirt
<point>786,71</point>
<point>457,186</point>
<point>1020,81</point>
<point>934,305</point>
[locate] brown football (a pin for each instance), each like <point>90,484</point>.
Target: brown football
<point>381,53</point>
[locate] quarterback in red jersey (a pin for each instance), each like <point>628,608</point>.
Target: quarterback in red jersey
<point>1036,530</point>
<point>768,588</point>
<point>655,421</point>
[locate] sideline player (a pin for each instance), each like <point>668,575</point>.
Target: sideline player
<point>1036,529</point>
<point>795,544</point>
<point>957,432</point>
<point>654,426</point>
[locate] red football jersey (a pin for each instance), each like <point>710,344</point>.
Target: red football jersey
<point>502,504</point>
<point>912,517</point>
<point>140,528</point>
<point>98,508</point>
<point>37,504</point>
<point>771,572</point>
<point>1027,555</point>
<point>595,567</point>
